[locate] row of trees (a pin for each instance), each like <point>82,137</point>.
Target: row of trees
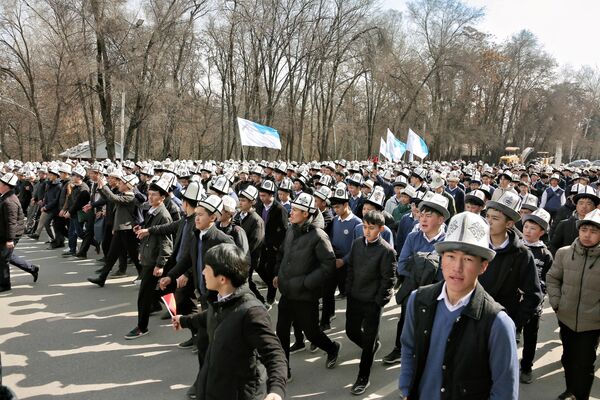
<point>330,75</point>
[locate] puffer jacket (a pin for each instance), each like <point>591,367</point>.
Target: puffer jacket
<point>305,260</point>
<point>572,285</point>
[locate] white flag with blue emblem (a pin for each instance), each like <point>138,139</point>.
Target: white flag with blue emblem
<point>395,147</point>
<point>416,145</point>
<point>256,135</point>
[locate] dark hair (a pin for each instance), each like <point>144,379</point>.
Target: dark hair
<point>192,203</point>
<point>229,261</point>
<point>374,217</point>
<point>425,209</point>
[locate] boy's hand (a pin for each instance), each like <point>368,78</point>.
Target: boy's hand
<point>273,396</point>
<point>175,322</point>
<point>339,263</point>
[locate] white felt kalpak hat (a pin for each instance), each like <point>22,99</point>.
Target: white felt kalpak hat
<point>467,232</point>
<point>509,204</point>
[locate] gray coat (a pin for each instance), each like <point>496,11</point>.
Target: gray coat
<point>156,249</point>
<point>126,208</point>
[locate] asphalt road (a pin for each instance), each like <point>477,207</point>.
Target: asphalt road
<point>62,337</point>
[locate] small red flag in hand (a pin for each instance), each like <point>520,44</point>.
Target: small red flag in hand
<point>169,300</point>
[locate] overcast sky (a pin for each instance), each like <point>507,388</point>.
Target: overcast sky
<point>568,29</point>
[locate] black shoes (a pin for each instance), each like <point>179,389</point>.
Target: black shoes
<point>333,357</point>
<point>325,326</point>
<point>35,273</point>
<point>4,289</point>
<point>566,395</point>
<point>187,344</point>
<point>297,347</point>
<point>525,377</point>
<point>361,384</point>
<point>136,333</point>
<point>393,357</point>
<point>34,236</point>
<point>97,281</point>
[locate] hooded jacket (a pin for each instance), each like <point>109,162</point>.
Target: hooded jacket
<point>512,280</point>
<point>305,260</point>
<point>572,285</point>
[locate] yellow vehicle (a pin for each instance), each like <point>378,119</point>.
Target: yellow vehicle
<point>511,156</point>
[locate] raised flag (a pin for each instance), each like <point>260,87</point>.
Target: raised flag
<point>383,149</point>
<point>416,145</point>
<point>256,135</point>
<point>395,147</point>
<point>169,300</point>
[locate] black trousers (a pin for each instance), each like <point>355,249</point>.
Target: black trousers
<point>254,260</point>
<point>121,241</point>
<point>5,254</point>
<point>530,335</point>
<point>147,296</point>
<point>306,316</point>
<point>362,327</point>
<point>266,271</point>
<point>398,343</point>
<point>578,358</point>
<point>60,230</point>
<point>88,236</point>
<point>105,244</point>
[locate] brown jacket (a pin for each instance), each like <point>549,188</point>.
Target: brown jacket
<point>573,283</point>
<point>12,223</point>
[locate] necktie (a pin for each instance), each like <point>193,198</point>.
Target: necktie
<point>265,214</point>
<point>183,241</point>
<point>199,267</point>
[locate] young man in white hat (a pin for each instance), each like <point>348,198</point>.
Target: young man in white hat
<point>457,340</point>
<point>79,197</point>
<point>304,263</point>
<point>182,230</point>
<point>432,214</point>
<point>553,196</point>
<point>511,278</point>
<point>12,227</point>
<point>573,283</point>
<point>254,226</point>
<point>535,226</point>
<point>155,251</point>
<point>275,218</point>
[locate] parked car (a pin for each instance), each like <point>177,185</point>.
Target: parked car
<point>579,163</point>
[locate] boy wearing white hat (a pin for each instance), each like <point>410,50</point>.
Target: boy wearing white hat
<point>573,283</point>
<point>457,340</point>
<point>535,226</point>
<point>511,278</point>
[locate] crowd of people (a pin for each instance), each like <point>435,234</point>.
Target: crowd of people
<point>469,250</point>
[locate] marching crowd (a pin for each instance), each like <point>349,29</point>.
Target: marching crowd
<point>469,251</point>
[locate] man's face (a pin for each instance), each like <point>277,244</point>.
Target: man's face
<point>497,221</point>
<point>203,219</point>
<point>353,190</point>
<point>461,271</point>
<point>212,282</point>
<point>340,209</point>
<point>368,207</point>
<point>504,182</point>
<point>371,231</point>
<point>245,204</point>
<point>4,188</point>
<point>474,208</point>
<point>430,222</point>
<point>265,198</point>
<point>524,211</point>
<point>297,186</point>
<point>584,206</point>
<point>397,190</point>
<point>453,184</point>
<point>532,232</point>
<point>298,216</point>
<point>154,198</point>
<point>589,235</point>
<point>283,196</point>
<point>320,203</point>
<point>279,175</point>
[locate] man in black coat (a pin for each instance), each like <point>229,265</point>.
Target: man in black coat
<point>183,231</point>
<point>254,226</point>
<point>240,337</point>
<point>12,228</point>
<point>566,231</point>
<point>276,223</point>
<point>304,263</point>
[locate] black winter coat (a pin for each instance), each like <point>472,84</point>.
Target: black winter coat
<point>51,197</point>
<point>564,234</point>
<point>244,359</point>
<point>512,275</point>
<point>12,225</point>
<point>305,261</point>
<point>275,227</point>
